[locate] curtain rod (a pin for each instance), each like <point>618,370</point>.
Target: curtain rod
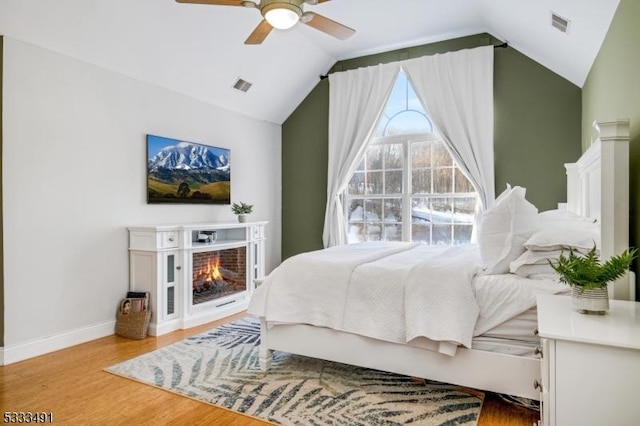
<point>495,46</point>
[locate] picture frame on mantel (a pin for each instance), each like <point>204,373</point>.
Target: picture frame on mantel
<point>182,172</point>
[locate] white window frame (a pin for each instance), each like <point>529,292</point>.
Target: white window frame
<point>406,196</point>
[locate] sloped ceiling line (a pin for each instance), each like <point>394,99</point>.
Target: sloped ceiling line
<point>199,50</point>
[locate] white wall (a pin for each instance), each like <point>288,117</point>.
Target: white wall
<point>74,179</point>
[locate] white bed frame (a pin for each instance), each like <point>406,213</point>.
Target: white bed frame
<point>597,186</point>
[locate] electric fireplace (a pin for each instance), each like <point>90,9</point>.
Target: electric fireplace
<point>195,273</point>
<point>217,274</point>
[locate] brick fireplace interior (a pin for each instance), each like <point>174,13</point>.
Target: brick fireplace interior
<point>219,273</point>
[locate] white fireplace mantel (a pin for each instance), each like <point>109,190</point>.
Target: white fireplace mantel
<point>160,262</point>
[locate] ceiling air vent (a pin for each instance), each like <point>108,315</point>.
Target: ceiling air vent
<point>242,85</point>
<point>559,22</point>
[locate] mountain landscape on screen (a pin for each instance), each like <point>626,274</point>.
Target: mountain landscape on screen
<point>186,172</point>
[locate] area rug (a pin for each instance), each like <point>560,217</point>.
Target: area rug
<point>221,367</point>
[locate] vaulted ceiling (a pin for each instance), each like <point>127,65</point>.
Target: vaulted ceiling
<point>199,49</point>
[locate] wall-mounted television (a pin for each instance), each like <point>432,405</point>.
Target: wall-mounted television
<point>187,172</point>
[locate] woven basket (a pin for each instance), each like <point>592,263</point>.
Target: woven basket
<point>133,325</point>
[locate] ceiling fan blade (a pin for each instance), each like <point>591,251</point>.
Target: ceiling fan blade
<point>221,2</point>
<point>260,33</point>
<point>327,25</point>
<point>313,2</point>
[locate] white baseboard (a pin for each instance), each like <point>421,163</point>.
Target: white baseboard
<point>25,350</point>
<point>165,327</point>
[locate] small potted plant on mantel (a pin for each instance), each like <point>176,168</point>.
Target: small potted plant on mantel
<point>588,277</point>
<point>242,210</point>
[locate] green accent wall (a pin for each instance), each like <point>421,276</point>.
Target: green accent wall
<point>1,207</point>
<point>304,172</point>
<point>537,129</point>
<point>612,91</point>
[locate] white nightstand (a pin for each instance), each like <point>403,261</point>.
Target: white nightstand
<point>590,364</point>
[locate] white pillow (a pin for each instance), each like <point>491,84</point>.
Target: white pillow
<point>504,228</point>
<point>562,216</point>
<point>535,264</point>
<point>530,257</point>
<point>536,271</point>
<point>508,190</point>
<point>557,238</point>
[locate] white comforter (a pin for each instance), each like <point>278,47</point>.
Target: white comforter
<point>397,292</point>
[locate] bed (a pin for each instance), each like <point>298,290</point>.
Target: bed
<point>463,315</point>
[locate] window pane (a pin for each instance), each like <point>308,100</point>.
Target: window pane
<point>373,231</point>
<point>421,154</point>
<point>356,184</point>
<point>374,182</point>
<point>443,180</point>
<point>421,181</point>
<point>408,122</point>
<point>393,182</point>
<point>441,234</point>
<point>442,210</point>
<point>441,156</point>
<point>397,101</point>
<point>420,210</point>
<point>432,218</point>
<point>393,156</point>
<point>462,233</point>
<point>462,183</point>
<point>361,165</point>
<point>393,210</point>
<point>464,210</point>
<point>392,232</point>
<point>403,113</point>
<point>372,210</point>
<point>374,157</point>
<point>355,233</point>
<point>356,210</point>
<point>421,232</point>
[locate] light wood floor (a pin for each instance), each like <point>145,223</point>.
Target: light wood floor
<point>72,385</point>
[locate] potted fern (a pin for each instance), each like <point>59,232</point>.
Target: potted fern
<point>242,210</point>
<point>588,277</point>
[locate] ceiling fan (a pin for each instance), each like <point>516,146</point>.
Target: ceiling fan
<point>283,14</point>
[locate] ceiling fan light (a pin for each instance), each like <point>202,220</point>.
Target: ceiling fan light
<point>283,17</point>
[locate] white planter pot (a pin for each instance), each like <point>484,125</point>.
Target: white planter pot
<point>242,218</point>
<point>590,301</point>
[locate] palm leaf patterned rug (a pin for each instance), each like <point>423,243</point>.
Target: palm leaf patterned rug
<point>220,367</point>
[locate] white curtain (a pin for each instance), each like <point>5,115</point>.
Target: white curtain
<point>356,101</point>
<point>456,90</point>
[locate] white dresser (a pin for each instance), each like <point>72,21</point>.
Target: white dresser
<point>590,364</point>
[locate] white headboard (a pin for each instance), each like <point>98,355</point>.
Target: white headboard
<point>598,187</point>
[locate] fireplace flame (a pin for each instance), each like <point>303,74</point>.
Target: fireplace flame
<point>212,272</point>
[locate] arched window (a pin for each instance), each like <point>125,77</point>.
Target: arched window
<point>403,113</point>
<point>408,187</point>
